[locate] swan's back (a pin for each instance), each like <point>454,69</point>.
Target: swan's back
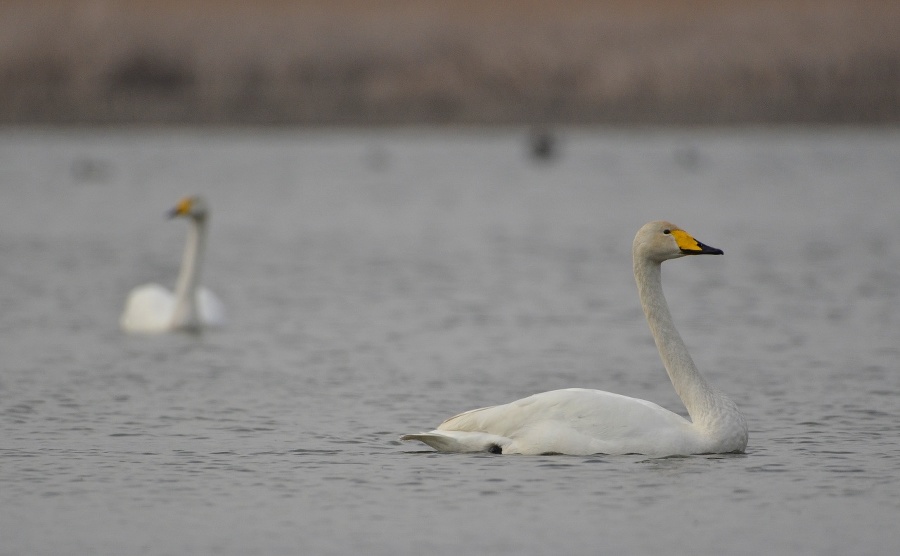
<point>578,421</point>
<point>149,308</point>
<point>212,309</point>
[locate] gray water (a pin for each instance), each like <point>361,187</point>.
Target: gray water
<point>379,282</point>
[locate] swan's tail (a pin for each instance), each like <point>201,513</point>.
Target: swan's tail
<point>459,441</point>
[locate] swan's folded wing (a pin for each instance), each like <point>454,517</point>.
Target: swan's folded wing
<point>509,419</point>
<point>212,310</point>
<point>573,421</point>
<point>148,309</point>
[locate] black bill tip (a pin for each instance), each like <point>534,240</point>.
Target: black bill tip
<point>706,250</point>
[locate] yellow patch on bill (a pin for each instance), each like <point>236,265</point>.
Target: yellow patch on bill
<point>685,241</point>
<point>184,206</point>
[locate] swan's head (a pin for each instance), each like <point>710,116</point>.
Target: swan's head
<point>660,241</point>
<point>193,207</point>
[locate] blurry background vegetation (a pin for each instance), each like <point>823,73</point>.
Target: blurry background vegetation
<point>359,62</point>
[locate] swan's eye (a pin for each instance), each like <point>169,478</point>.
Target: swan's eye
<point>667,231</point>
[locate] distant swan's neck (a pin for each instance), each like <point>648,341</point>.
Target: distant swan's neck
<point>186,311</point>
<point>698,396</point>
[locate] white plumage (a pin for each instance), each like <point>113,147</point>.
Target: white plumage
<point>581,422</point>
<point>152,308</point>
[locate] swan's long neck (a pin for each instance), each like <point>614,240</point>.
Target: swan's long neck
<point>698,396</point>
<point>186,310</point>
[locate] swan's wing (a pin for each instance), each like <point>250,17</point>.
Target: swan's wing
<point>575,421</point>
<point>588,410</point>
<point>148,309</point>
<point>212,310</point>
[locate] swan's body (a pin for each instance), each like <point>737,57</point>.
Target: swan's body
<point>582,422</point>
<point>152,308</point>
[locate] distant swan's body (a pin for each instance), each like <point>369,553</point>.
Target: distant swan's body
<point>582,422</point>
<point>152,308</point>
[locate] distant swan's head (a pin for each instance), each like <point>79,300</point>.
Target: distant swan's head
<point>660,241</point>
<point>193,207</point>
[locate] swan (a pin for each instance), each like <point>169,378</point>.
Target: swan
<point>578,421</point>
<point>152,308</point>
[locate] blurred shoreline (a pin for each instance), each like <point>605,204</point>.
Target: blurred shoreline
<point>405,62</point>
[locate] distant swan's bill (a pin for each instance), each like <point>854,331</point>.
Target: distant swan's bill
<point>152,308</point>
<point>582,422</point>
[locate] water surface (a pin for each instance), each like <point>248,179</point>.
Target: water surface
<point>378,283</point>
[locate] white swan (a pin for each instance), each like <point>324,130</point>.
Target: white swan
<point>151,308</point>
<point>582,422</point>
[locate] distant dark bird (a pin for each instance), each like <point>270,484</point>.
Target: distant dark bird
<point>543,144</point>
<point>90,170</point>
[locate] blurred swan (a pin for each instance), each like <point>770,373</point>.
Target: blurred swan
<point>151,308</point>
<point>582,422</point>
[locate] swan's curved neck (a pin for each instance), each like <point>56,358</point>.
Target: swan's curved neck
<point>186,311</point>
<point>697,394</point>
